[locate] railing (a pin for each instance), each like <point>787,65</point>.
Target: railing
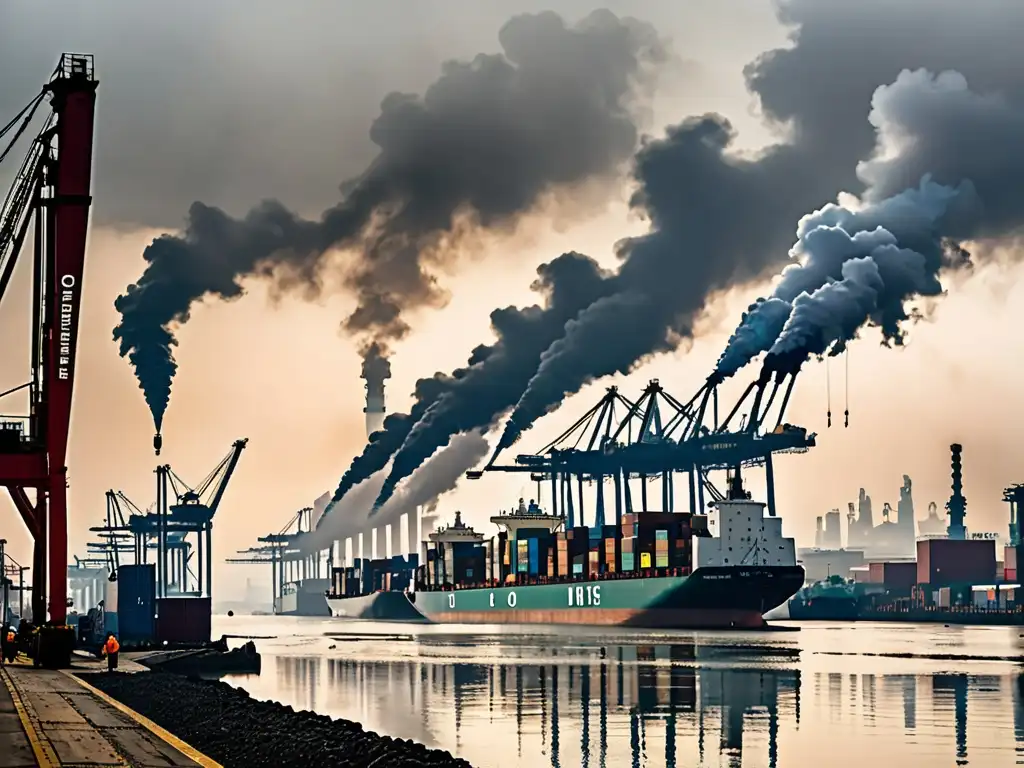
<point>75,65</point>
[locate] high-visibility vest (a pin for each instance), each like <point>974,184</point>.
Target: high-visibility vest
<point>112,645</point>
<point>11,636</point>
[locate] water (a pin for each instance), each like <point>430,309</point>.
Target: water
<point>828,694</point>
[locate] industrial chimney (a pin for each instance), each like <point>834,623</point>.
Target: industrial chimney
<point>376,369</point>
<point>956,507</point>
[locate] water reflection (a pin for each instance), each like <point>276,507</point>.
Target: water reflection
<point>660,705</point>
<point>632,705</point>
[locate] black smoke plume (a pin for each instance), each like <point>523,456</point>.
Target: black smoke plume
<point>903,238</point>
<point>719,219</point>
<point>485,143</point>
<point>376,368</point>
<point>438,475</point>
<point>489,386</point>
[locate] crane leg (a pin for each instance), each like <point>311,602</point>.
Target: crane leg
<point>57,534</point>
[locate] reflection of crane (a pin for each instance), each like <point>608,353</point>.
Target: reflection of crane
<point>52,189</point>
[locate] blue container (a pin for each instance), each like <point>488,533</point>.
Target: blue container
<point>136,603</point>
<point>533,553</point>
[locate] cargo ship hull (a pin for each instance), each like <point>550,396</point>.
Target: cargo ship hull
<point>710,598</point>
<point>379,606</point>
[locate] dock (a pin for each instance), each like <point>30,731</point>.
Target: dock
<point>54,718</point>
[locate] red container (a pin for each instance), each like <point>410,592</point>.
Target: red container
<point>183,620</point>
<point>942,562</point>
<point>1011,557</point>
<point>894,575</point>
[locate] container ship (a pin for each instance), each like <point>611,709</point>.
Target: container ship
<point>723,569</point>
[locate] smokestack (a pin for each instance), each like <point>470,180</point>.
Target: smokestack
<point>957,504</point>
<point>376,369</point>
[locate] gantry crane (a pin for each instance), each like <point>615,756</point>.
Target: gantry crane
<point>193,512</point>
<point>658,437</point>
<point>52,191</point>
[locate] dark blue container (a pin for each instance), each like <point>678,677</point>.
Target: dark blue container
<point>136,603</point>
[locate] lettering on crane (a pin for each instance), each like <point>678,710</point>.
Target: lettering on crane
<point>67,307</point>
<point>581,596</point>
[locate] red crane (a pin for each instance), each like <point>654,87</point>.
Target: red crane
<point>52,192</point>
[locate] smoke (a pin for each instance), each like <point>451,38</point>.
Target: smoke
<point>484,145</point>
<point>828,240</point>
<point>906,236</point>
<point>721,218</point>
<point>376,368</point>
<point>438,475</point>
<point>474,396</point>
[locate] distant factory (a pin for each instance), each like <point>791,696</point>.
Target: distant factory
<point>896,537</point>
<point>893,538</point>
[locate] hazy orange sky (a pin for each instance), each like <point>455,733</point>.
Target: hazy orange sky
<point>283,375</point>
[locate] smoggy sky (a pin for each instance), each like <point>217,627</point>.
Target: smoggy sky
<point>230,103</point>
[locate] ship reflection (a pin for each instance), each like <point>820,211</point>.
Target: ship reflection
<point>622,705</point>
<point>657,705</point>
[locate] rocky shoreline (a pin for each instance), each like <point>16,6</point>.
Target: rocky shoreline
<point>237,731</point>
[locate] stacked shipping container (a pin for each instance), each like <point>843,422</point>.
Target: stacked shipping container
<point>945,562</point>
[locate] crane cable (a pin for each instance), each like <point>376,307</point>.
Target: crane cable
<point>30,108</point>
<point>847,412</point>
<point>828,390</point>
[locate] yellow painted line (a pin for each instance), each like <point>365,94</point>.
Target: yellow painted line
<point>46,757</point>
<point>165,735</point>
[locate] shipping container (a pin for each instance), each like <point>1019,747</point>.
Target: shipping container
<point>578,533</point>
<point>942,562</point>
<point>1010,558</point>
<point>627,561</point>
<point>183,620</point>
<point>136,603</point>
<point>900,576</point>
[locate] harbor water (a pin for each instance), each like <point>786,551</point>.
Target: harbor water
<point>842,695</point>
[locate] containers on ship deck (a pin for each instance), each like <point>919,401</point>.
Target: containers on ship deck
<point>345,582</point>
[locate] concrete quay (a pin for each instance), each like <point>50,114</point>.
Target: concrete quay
<point>54,718</point>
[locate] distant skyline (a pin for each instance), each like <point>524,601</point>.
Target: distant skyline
<point>216,103</point>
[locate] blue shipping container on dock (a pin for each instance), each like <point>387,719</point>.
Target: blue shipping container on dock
<point>136,603</point>
<point>534,555</point>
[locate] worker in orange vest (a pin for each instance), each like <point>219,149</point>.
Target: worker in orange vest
<point>110,648</point>
<point>10,645</point>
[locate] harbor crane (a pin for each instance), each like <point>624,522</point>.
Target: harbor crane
<point>658,437</point>
<point>181,512</point>
<point>50,198</point>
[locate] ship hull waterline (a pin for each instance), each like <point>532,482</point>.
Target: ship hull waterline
<point>710,598</point>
